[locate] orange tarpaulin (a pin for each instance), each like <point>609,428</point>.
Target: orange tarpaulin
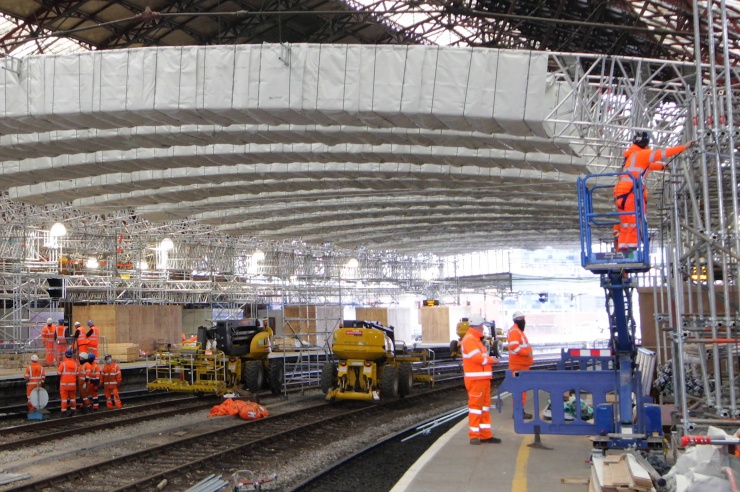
<point>247,410</point>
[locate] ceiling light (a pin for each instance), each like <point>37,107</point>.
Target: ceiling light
<point>353,263</point>
<point>143,265</point>
<point>166,244</point>
<point>58,230</point>
<point>92,263</point>
<point>258,255</point>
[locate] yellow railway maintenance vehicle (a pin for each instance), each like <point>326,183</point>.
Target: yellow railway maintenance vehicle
<point>370,366</point>
<point>492,338</point>
<point>240,357</point>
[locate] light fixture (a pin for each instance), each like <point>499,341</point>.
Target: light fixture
<point>143,265</point>
<point>258,255</point>
<point>166,244</point>
<point>58,230</point>
<point>353,263</point>
<point>92,263</point>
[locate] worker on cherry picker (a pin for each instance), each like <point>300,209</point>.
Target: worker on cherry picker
<point>639,160</point>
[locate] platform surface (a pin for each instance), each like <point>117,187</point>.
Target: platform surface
<point>453,464</point>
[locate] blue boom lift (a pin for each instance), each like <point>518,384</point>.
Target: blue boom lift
<point>624,416</point>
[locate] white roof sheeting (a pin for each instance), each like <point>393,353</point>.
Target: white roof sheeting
<point>172,132</point>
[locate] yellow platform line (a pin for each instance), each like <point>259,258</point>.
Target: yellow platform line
<point>519,483</point>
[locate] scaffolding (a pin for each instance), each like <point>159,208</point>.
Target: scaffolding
<point>696,289</point>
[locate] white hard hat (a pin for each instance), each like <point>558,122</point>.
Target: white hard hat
<point>517,314</point>
<point>83,355</point>
<point>49,321</point>
<point>475,320</point>
<point>34,358</point>
<point>77,323</point>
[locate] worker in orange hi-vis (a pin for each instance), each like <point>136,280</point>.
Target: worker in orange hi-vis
<point>47,335</point>
<point>67,371</point>
<point>639,160</point>
<point>94,382</point>
<point>520,352</point>
<point>80,335</point>
<point>93,338</point>
<point>111,376</point>
<point>35,377</point>
<point>83,381</point>
<point>60,340</point>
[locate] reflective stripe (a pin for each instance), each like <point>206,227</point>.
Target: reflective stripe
<point>524,345</point>
<point>514,351</point>
<point>467,356</point>
<point>474,374</point>
<point>474,429</point>
<point>486,409</point>
<point>474,411</point>
<point>485,426</point>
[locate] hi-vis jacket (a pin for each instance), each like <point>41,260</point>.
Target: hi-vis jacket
<point>520,352</point>
<point>476,361</point>
<point>639,162</point>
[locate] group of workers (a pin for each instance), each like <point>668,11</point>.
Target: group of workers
<point>57,342</point>
<point>478,372</point>
<point>80,374</point>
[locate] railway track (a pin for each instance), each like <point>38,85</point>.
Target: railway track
<point>60,427</point>
<point>254,441</point>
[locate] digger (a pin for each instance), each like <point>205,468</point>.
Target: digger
<point>230,354</point>
<point>370,365</point>
<point>492,337</point>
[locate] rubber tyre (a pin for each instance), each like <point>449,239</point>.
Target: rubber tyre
<point>255,378</point>
<point>453,348</point>
<point>405,378</point>
<point>389,384</point>
<point>328,376</point>
<point>276,375</point>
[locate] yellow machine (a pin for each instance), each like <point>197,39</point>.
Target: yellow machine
<point>491,339</point>
<point>370,366</point>
<point>240,356</point>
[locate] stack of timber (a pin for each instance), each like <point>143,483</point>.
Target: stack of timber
<point>124,352</point>
<point>619,473</point>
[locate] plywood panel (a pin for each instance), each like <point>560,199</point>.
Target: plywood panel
<point>143,325</point>
<point>373,314</point>
<point>435,324</point>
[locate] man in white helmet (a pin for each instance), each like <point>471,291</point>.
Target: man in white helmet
<point>47,335</point>
<point>520,352</point>
<point>477,368</point>
<point>35,377</point>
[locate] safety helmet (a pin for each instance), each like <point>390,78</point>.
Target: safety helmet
<point>91,358</point>
<point>49,321</point>
<point>34,358</point>
<point>61,321</point>
<point>83,355</point>
<point>517,314</point>
<point>475,320</point>
<point>77,323</point>
<point>641,139</point>
<point>68,353</point>
<point>90,323</point>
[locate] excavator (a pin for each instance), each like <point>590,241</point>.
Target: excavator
<point>240,358</point>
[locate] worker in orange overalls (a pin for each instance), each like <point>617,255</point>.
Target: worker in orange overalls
<point>80,338</point>
<point>60,340</point>
<point>111,375</point>
<point>93,337</point>
<point>520,352</point>
<point>47,335</point>
<point>477,368</point>
<point>35,377</point>
<point>638,161</point>
<point>94,383</point>
<point>67,371</point>
<point>83,381</point>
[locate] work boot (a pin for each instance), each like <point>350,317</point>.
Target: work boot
<point>527,416</point>
<point>72,413</point>
<point>475,441</point>
<point>491,440</point>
